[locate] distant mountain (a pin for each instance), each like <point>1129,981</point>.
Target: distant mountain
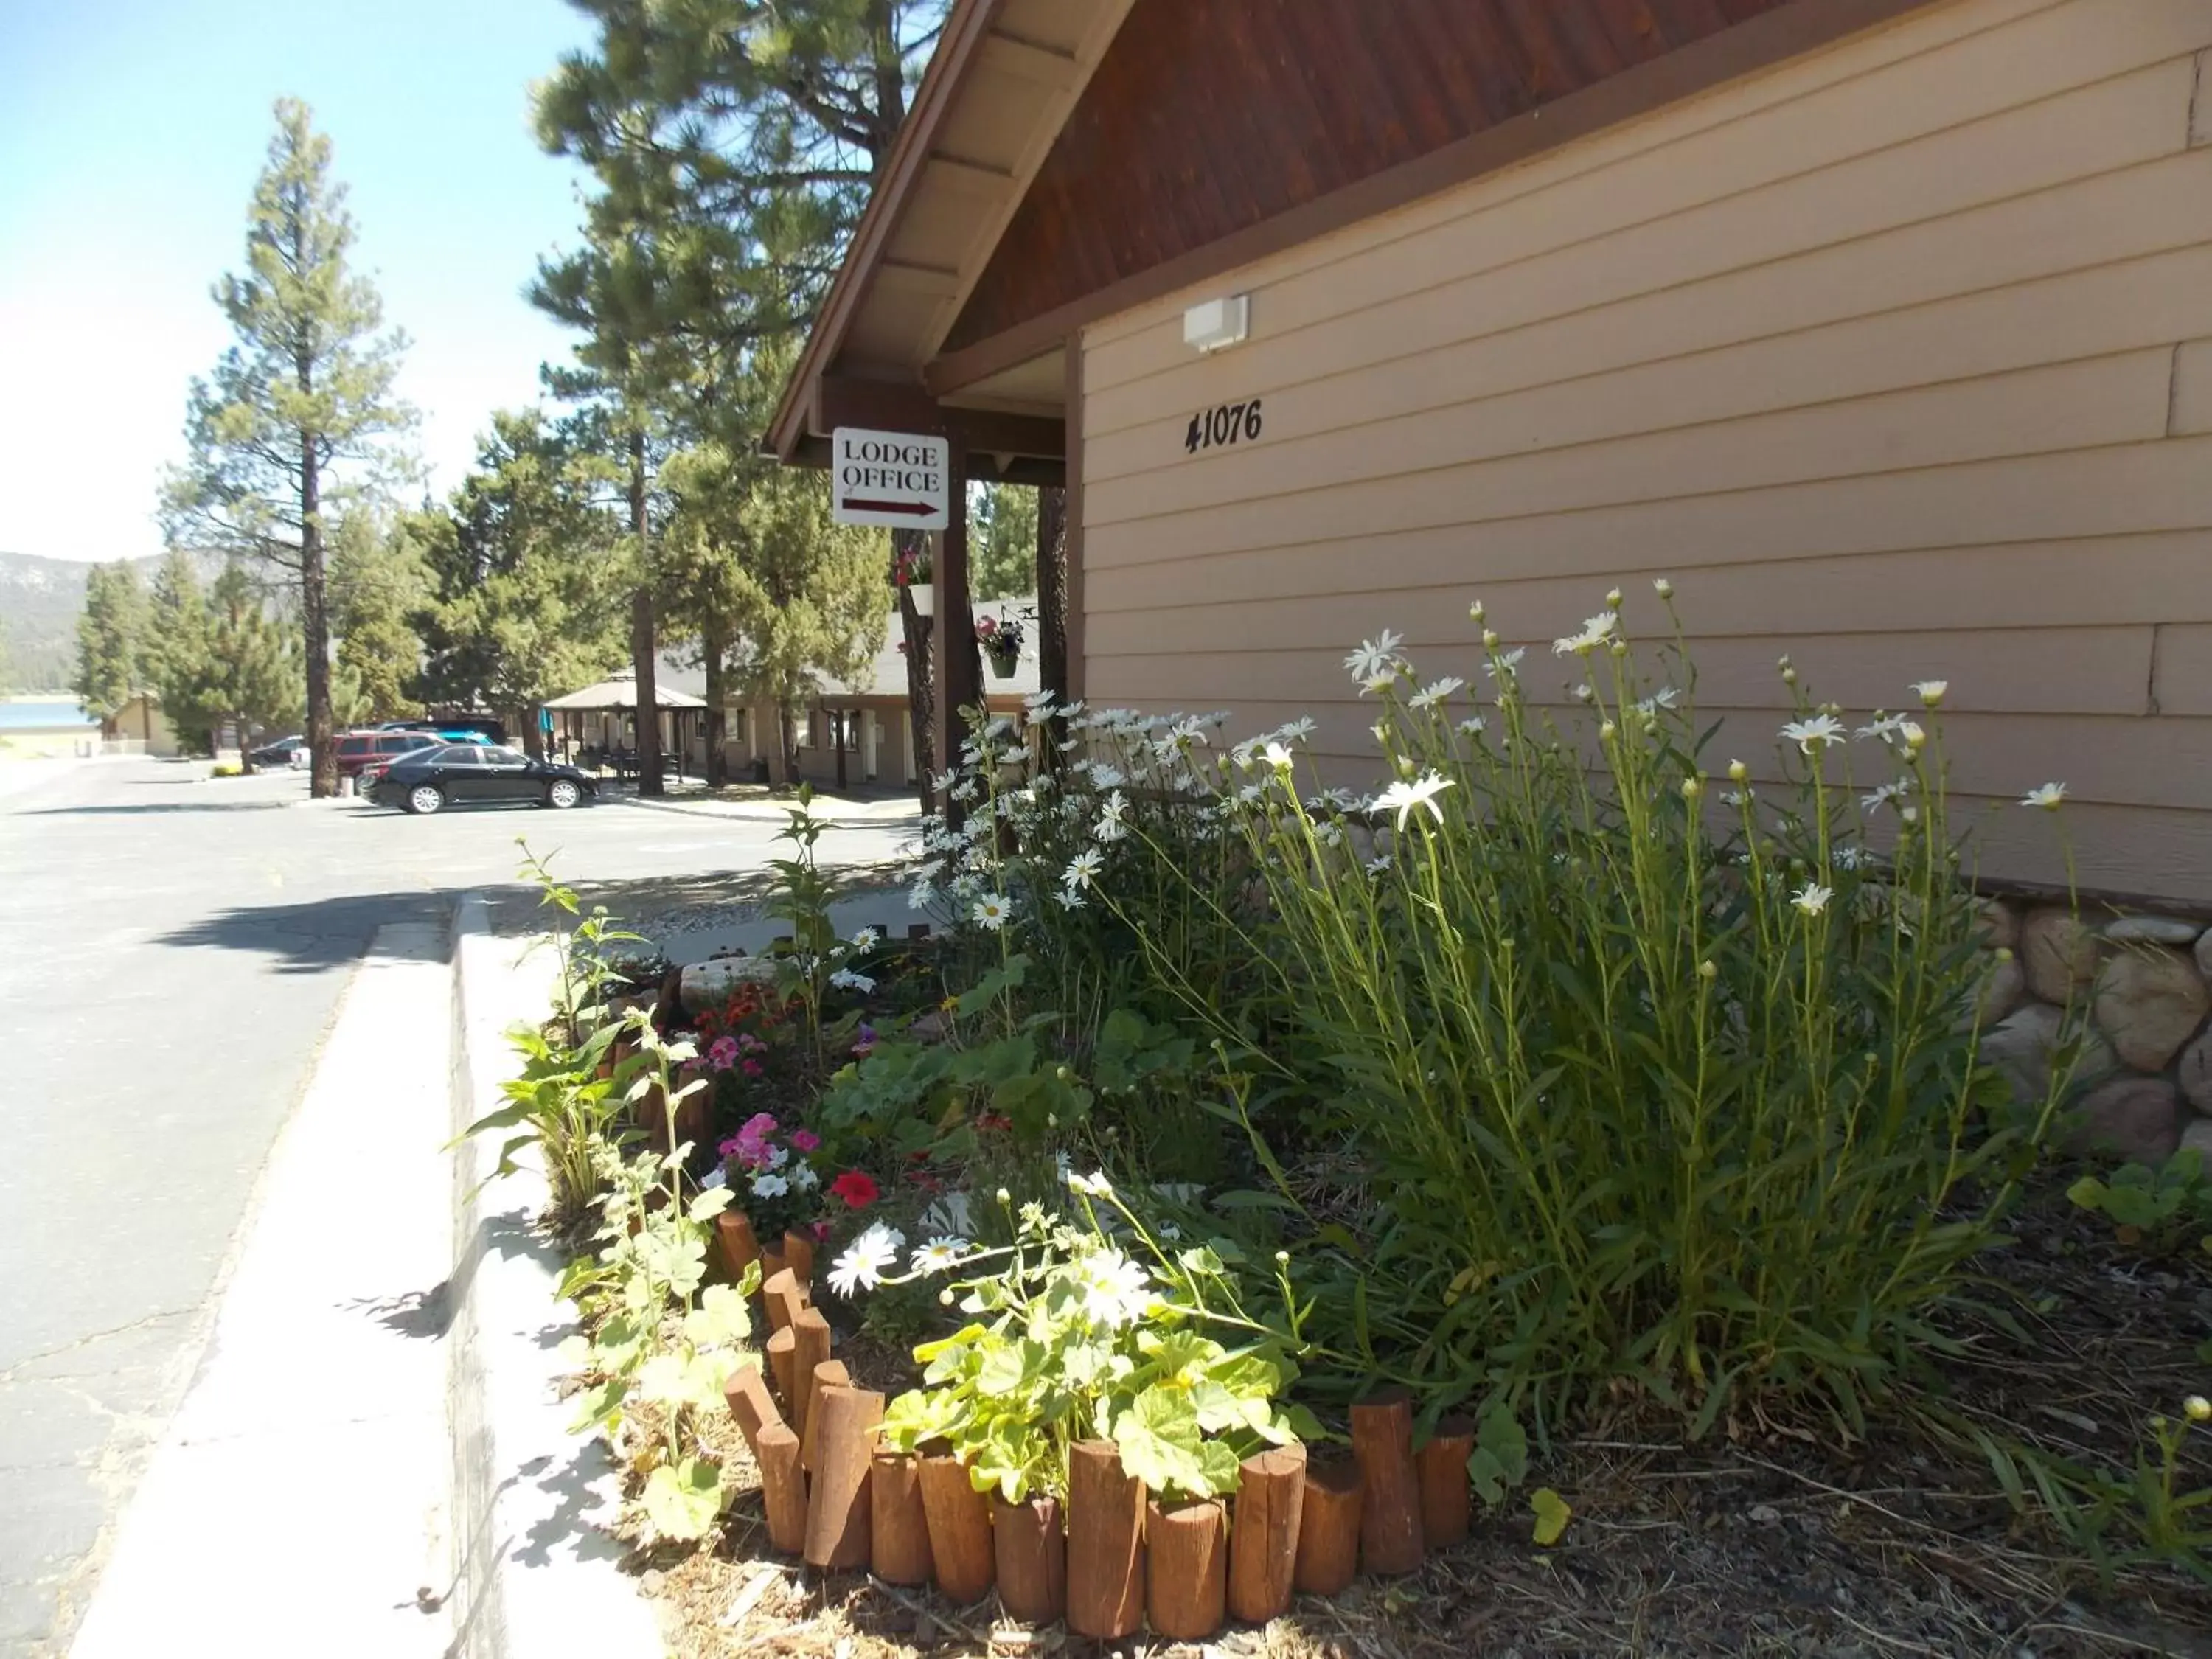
<point>39,602</point>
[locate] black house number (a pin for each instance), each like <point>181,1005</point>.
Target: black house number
<point>1228,424</point>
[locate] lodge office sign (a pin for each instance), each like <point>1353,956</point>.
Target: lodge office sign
<point>895,480</point>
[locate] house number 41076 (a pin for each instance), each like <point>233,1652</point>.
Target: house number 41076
<point>1210,429</point>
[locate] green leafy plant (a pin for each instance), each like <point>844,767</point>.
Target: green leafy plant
<point>1641,1079</point>
<point>570,1092</point>
<point>1074,1338</point>
<point>655,1341</point>
<point>2158,1210</point>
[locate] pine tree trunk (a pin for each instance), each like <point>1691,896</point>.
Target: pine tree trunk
<point>779,749</point>
<point>314,613</point>
<point>641,637</point>
<point>718,765</point>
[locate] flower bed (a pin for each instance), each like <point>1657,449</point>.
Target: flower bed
<point>1573,1133</point>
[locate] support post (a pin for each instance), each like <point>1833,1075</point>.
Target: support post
<point>959,662</point>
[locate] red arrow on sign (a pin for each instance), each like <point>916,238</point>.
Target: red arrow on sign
<point>917,509</point>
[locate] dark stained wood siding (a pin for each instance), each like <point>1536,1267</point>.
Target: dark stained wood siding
<point>1207,117</point>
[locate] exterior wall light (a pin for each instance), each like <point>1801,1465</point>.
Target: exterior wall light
<point>1218,323</point>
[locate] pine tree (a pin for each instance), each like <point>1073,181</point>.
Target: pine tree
<point>110,639</point>
<point>525,582</point>
<point>250,675</point>
<point>377,582</point>
<point>177,649</point>
<point>302,400</point>
<point>1002,542</point>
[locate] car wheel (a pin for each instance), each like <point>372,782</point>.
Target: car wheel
<point>425,798</point>
<point>562,794</point>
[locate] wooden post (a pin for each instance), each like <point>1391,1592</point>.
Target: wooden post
<point>1390,1516</point>
<point>747,1397</point>
<point>783,1488</point>
<point>1328,1527</point>
<point>838,1537</point>
<point>1263,1543</point>
<point>734,1234</point>
<point>959,1530</point>
<point>778,1348</point>
<point>779,1297</point>
<point>799,1257</point>
<point>826,1375</point>
<point>959,663</point>
<point>771,1264</point>
<point>1186,1568</point>
<point>810,1347</point>
<point>1105,1543</point>
<point>1446,1501</point>
<point>1031,1551</point>
<point>899,1528</point>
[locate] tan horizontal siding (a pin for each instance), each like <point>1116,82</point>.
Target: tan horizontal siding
<point>1672,153</point>
<point>1979,221</point>
<point>2016,586</point>
<point>1850,161</point>
<point>1898,360</point>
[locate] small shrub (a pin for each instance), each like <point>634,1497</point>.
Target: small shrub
<point>2158,1211</point>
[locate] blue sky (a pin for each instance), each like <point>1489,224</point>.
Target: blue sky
<point>129,137</point>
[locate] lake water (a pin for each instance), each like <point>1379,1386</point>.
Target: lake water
<point>43,714</point>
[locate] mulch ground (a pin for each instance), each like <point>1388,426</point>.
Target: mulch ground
<point>1769,1542</point>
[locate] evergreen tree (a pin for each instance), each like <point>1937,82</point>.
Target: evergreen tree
<point>526,588</point>
<point>111,633</point>
<point>302,398</point>
<point>177,648</point>
<point>377,582</point>
<point>250,675</point>
<point>696,571</point>
<point>1002,542</point>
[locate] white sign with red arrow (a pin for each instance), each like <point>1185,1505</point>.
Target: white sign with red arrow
<point>897,480</point>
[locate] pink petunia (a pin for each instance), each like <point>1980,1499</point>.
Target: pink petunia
<point>749,1068</point>
<point>722,1054</point>
<point>804,1141</point>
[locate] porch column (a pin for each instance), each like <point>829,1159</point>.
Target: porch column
<point>867,717</point>
<point>959,663</point>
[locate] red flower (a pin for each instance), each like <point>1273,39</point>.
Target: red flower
<point>858,1190</point>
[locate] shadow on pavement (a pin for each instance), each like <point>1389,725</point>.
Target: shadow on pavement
<point>321,934</point>
<point>115,810</point>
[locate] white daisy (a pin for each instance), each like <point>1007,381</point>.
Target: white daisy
<point>2048,796</point>
<point>1812,898</point>
<point>1083,869</point>
<point>1883,726</point>
<point>1506,664</point>
<point>846,980</point>
<point>1472,727</point>
<point>1810,733</point>
<point>865,939</point>
<point>991,911</point>
<point>1376,684</point>
<point>1405,796</point>
<point>1884,794</point>
<point>1664,698</point>
<point>1104,776</point>
<point>1299,729</point>
<point>1094,1185</point>
<point>938,1254</point>
<point>1376,656</point>
<point>1930,692</point>
<point>1434,694</point>
<point>1596,630</point>
<point>866,1259</point>
<point>1277,756</point>
<point>920,896</point>
<point>1116,1292</point>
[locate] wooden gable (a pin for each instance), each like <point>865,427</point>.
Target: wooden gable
<point>1208,117</point>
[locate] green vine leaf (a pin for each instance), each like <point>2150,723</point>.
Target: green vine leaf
<point>1552,1512</point>
<point>681,1499</point>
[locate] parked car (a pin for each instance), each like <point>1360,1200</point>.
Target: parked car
<point>285,752</point>
<point>456,729</point>
<point>463,775</point>
<point>357,749</point>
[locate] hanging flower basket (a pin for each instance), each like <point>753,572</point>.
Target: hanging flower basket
<point>924,595</point>
<point>1003,663</point>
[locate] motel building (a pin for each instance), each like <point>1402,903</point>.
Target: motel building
<point>1882,328</point>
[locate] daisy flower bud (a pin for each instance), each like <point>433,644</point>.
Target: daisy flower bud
<point>1613,597</point>
<point>1738,771</point>
<point>2198,1408</point>
<point>1789,677</point>
<point>1490,639</point>
<point>1475,610</point>
<point>1605,731</point>
<point>1707,970</point>
<point>1692,787</point>
<point>1663,587</point>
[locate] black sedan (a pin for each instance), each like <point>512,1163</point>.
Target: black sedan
<point>464,774</point>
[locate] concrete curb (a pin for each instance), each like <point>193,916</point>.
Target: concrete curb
<point>536,1576</point>
<point>850,814</point>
